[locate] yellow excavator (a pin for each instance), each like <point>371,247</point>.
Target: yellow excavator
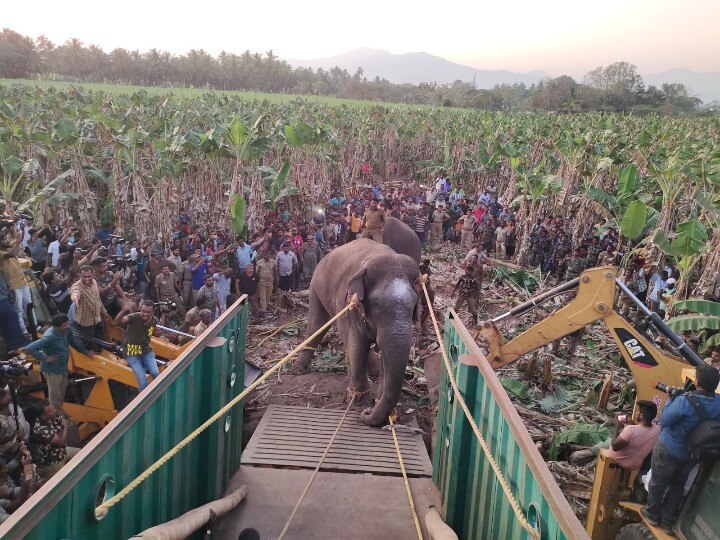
<point>612,513</point>
<point>99,386</point>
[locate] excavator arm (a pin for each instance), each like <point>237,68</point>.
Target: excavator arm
<point>596,290</point>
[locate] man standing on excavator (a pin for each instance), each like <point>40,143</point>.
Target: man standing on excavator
<point>671,460</point>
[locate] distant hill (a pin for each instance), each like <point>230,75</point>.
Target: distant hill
<point>415,68</point>
<point>706,86</point>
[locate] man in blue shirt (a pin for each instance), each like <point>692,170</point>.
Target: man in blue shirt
<point>671,461</point>
<point>244,254</point>
<point>53,352</point>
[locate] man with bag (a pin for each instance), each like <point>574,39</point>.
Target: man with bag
<point>677,449</point>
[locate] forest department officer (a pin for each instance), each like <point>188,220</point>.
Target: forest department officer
<point>373,221</point>
<point>265,269</point>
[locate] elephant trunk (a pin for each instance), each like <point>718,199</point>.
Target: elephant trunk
<point>394,344</point>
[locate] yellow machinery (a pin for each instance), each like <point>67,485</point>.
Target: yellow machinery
<point>101,385</point>
<point>594,301</point>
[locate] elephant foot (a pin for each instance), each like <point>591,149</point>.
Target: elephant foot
<point>373,417</point>
<point>300,369</point>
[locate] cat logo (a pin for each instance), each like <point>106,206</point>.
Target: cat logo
<point>634,348</point>
<point>639,354</point>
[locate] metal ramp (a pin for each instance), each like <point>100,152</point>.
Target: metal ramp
<point>296,437</point>
<point>359,493</point>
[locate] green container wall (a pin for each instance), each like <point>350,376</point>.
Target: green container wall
<point>186,394</point>
<point>473,502</point>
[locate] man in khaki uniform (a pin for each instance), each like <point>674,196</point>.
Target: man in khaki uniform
<point>265,269</point>
<point>468,226</point>
<point>436,231</point>
<point>373,220</point>
<point>166,289</point>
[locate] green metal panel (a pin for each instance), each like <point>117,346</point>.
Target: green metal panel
<point>186,394</point>
<point>473,501</point>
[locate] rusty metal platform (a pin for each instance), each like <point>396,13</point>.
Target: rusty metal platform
<point>295,437</point>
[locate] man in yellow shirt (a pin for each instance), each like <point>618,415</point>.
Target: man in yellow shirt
<point>12,266</point>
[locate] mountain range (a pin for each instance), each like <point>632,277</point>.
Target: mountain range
<point>421,67</point>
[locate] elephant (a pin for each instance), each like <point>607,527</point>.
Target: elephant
<point>386,286</point>
<point>401,238</point>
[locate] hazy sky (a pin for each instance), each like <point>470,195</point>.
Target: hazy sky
<point>557,36</point>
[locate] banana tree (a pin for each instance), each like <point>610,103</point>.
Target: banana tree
<point>704,318</point>
<point>628,210</point>
<point>686,246</point>
<point>20,187</point>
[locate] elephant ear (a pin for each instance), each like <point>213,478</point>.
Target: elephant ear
<point>356,285</point>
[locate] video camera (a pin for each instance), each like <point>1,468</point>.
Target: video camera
<point>674,391</point>
<point>6,220</point>
<point>120,263</point>
<point>11,369</point>
<point>165,306</point>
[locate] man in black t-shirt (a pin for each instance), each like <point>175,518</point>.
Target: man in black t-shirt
<point>247,283</point>
<point>136,345</point>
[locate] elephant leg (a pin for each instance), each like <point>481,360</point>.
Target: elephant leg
<point>392,379</point>
<point>357,348</point>
<point>317,316</point>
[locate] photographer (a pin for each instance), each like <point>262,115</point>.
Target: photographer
<point>167,290</point>
<point>10,436</point>
<point>136,345</point>
<point>53,352</point>
<point>58,288</point>
<point>111,294</point>
<point>671,460</point>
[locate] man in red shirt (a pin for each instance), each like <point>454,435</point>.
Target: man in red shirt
<point>632,442</point>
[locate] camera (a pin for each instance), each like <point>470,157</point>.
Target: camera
<point>672,391</point>
<point>165,306</point>
<point>11,369</point>
<point>120,263</point>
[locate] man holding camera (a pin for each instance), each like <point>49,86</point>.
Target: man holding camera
<point>671,460</point>
<point>111,293</point>
<point>136,345</point>
<point>53,352</point>
<point>167,289</point>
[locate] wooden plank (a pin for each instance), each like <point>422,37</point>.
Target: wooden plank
<point>297,436</point>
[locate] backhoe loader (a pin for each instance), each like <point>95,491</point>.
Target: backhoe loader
<point>612,513</point>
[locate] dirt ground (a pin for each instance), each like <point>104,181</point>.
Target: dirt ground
<point>548,405</point>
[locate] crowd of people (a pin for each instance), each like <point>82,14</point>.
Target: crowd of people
<point>187,282</point>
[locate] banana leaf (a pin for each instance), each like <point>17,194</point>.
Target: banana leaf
<point>579,433</point>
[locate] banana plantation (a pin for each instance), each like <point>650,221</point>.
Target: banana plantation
<point>139,160</point>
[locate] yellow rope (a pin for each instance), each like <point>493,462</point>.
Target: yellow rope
<point>532,532</point>
<point>317,469</point>
<point>104,507</point>
<point>392,417</point>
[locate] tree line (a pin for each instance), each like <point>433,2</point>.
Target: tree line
<point>616,87</point>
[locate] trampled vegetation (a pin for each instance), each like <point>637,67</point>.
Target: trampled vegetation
<point>140,159</point>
